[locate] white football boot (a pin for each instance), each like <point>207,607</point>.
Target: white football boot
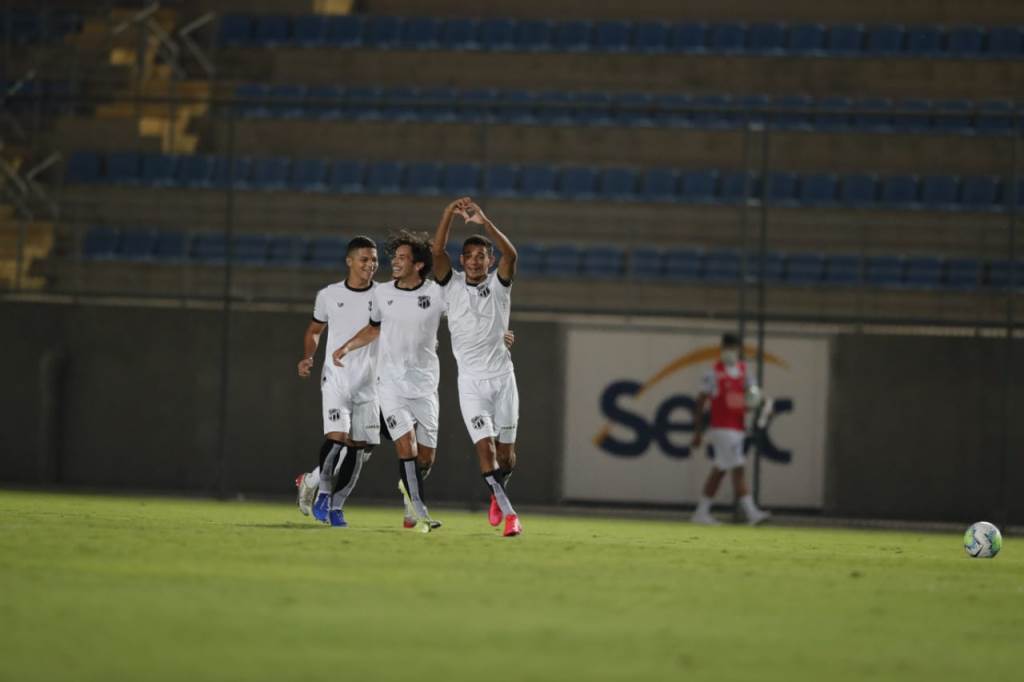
<point>307,485</point>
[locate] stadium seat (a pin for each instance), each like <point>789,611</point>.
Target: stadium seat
<point>618,184</point>
<point>924,41</point>
<point>251,100</point>
<point>673,110</point>
<point>516,106</point>
<point>501,180</point>
<point>796,112</point>
<point>530,260</point>
<point>980,193</point>
<point>532,36</point>
<point>271,30</point>
<point>885,40</point>
<point>605,262</point>
<point>804,269</point>
<point>309,175</point>
<point>235,172</point>
<point>437,104</point>
<point>454,250</point>
<point>754,109</point>
<point>650,37</point>
<point>325,102</point>
<point>923,272</point>
<point>100,243</point>
<point>554,108</point>
<point>995,118</point>
<point>953,116</point>
<point>572,36</point>
<point>727,38</point>
<point>419,33</point>
<point>381,31</point>
<point>284,251</point>
<point>872,115</point>
<point>562,261</point>
<point>384,177</point>
<point>713,111</point>
<point>964,41</point>
<point>538,182</point>
<point>249,249</point>
<point>209,248</point>
<point>900,190</point>
<point>158,170</point>
<point>123,168</point>
<point>592,108</point>
<point>698,187</point>
<point>833,114</point>
<point>688,38</point>
<point>1006,42</point>
<point>83,168</point>
<point>460,179</point>
<point>170,246</point>
<point>610,36</point>
<point>774,267</point>
<point>477,105</point>
<point>365,103</point>
<point>137,245</point>
<point>235,30</point>
<point>806,39</point>
<point>682,264</point>
<point>287,101</point>
<point>884,271</point>
<point>911,116</point>
<point>737,187</point>
<point>459,34</point>
<point>270,173</point>
<point>401,104</point>
<point>859,190</point>
<point>721,266</point>
<point>197,170</point>
<point>659,185</point>
<point>845,39</point>
<point>423,178</point>
<point>818,189</point>
<point>633,109</point>
<point>326,252</point>
<point>962,274</point>
<point>646,263</point>
<point>940,192</point>
<point>496,34</point>
<point>842,270</point>
<point>1002,274</point>
<point>578,182</point>
<point>766,38</point>
<point>309,30</point>
<point>347,177</point>
<point>344,30</point>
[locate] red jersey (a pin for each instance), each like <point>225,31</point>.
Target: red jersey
<point>729,399</point>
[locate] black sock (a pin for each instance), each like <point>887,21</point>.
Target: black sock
<point>504,474</point>
<point>325,450</point>
<point>410,473</point>
<point>348,466</point>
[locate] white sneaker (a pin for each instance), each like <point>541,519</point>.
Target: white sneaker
<point>758,516</point>
<point>307,484</point>
<point>704,519</point>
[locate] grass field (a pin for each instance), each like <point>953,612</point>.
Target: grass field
<point>112,588</point>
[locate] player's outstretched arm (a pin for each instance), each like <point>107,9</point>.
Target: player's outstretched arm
<point>699,409</point>
<point>438,249</point>
<point>507,266</point>
<point>363,337</point>
<point>309,343</point>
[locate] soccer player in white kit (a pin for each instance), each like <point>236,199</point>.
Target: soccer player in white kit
<point>728,389</point>
<point>404,316</point>
<point>351,412</point>
<point>479,303</point>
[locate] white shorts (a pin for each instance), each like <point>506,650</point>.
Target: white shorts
<point>361,421</point>
<point>490,408</point>
<point>402,414</point>
<point>728,448</point>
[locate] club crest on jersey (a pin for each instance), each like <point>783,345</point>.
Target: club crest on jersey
<point>424,302</point>
<point>483,290</point>
<point>334,414</point>
<point>391,301</point>
<point>341,304</point>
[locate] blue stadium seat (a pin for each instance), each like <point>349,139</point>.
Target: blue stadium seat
<point>781,188</point>
<point>309,175</point>
<point>209,248</point>
<point>995,118</point>
<point>1001,272</point>
<point>538,182</point>
<point>197,170</point>
<point>940,192</point>
<point>137,245</point>
<point>714,111</point>
<point>347,177</point>
<point>980,193</point>
<point>805,269</point>
<point>83,168</point>
<point>454,251</point>
<point>287,100</point>
<point>885,40</point>
<point>123,168</point>
<point>818,189</point>
<point>618,184</point>
<point>592,108</point>
<point>345,30</point>
<point>572,36</point>
<point>796,112</point>
<point>477,105</point>
<point>833,114</point>
<point>727,38</point>
<point>964,41</point>
<point>309,30</point>
<point>496,34</point>
<point>650,37</point>
<point>604,262</point>
<point>659,185</point>
<point>911,116</point>
<point>736,187</point>
<point>532,36</point>
<point>859,190</point>
<point>271,30</point>
<point>900,190</point>
<point>682,264</point>
<point>646,263</point>
<point>270,173</point>
<point>722,266</point>
<point>249,249</point>
<point>516,106</point>
<point>401,104</point>
<point>845,40</point>
<point>252,100</point>
<point>764,38</point>
<point>774,267</point>
<point>610,36</point>
<point>423,178</point>
<point>100,243</point>
<point>698,187</point>
<point>381,31</point>
<point>673,110</point>
<point>326,252</point>
<point>158,170</point>
<point>842,270</point>
<point>501,180</point>
<point>806,39</point>
<point>235,30</point>
<point>884,271</point>
<point>325,102</point>
<point>577,182</point>
<point>754,108</point>
<point>1005,41</point>
<point>531,260</point>
<point>419,33</point>
<point>688,38</point>
<point>923,272</point>
<point>284,251</point>
<point>953,116</point>
<point>384,177</point>
<point>873,115</point>
<point>460,179</point>
<point>962,274</point>
<point>365,103</point>
<point>554,108</point>
<point>170,246</point>
<point>437,104</point>
<point>633,109</point>
<point>924,41</point>
<point>460,34</point>
<point>236,173</point>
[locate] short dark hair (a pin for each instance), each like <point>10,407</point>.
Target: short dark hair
<point>730,340</point>
<point>359,242</point>
<point>479,240</point>
<point>419,242</point>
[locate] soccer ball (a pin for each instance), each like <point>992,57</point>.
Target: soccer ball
<point>982,540</point>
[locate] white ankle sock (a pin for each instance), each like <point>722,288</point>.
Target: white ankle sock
<point>703,505</point>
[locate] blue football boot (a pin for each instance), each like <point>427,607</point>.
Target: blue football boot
<point>321,507</point>
<point>337,517</point>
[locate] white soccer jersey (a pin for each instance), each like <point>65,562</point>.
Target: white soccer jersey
<point>344,311</point>
<point>478,319</point>
<point>407,347</point>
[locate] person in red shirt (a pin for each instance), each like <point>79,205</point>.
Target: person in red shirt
<point>728,389</point>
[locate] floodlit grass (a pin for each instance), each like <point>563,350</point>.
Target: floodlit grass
<point>98,588</point>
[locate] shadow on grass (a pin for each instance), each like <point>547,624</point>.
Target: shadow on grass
<point>283,526</point>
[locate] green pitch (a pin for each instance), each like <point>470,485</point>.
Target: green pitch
<point>96,588</point>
